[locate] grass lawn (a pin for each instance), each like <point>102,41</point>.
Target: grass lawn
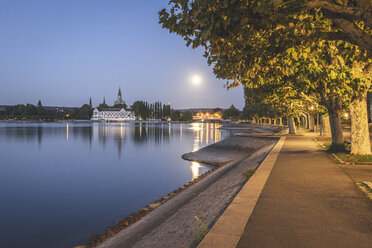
<point>347,157</point>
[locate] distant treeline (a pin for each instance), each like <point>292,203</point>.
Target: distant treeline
<point>31,112</point>
<point>145,111</point>
<point>142,110</point>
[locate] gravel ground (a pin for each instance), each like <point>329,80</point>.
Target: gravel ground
<point>182,221</point>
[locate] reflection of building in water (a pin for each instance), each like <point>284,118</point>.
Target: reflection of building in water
<point>205,133</point>
<point>116,132</point>
<point>140,133</point>
<point>147,132</point>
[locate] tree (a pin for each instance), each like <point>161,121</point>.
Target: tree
<point>212,20</point>
<point>176,115</point>
<point>85,112</point>
<point>40,109</point>
<point>103,105</point>
<point>166,111</point>
<point>90,102</point>
<point>237,35</point>
<point>353,18</point>
<point>121,105</point>
<point>141,109</point>
<point>32,112</point>
<point>231,113</point>
<point>186,116</point>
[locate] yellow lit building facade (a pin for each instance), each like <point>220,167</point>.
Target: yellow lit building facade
<point>207,116</point>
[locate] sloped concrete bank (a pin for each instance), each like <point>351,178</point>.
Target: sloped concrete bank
<point>180,221</point>
<point>254,128</point>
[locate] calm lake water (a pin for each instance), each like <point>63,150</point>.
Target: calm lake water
<point>61,183</point>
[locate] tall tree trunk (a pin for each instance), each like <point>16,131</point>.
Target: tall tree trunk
<point>291,125</point>
<point>335,122</point>
<point>311,122</point>
<point>280,122</point>
<point>326,128</point>
<point>298,123</point>
<point>307,121</point>
<point>360,140</point>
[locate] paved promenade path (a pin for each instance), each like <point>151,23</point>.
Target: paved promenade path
<point>308,201</point>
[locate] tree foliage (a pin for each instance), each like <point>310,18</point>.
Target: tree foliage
<point>231,113</point>
<point>288,51</point>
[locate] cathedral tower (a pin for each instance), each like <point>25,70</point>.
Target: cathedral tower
<point>119,100</point>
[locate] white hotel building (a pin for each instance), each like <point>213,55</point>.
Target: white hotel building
<point>113,114</point>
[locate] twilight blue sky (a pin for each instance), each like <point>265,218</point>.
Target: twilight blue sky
<point>65,51</point>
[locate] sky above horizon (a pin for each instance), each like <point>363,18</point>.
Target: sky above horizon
<point>65,51</point>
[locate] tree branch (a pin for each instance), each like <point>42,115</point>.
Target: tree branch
<point>355,34</point>
<point>361,12</point>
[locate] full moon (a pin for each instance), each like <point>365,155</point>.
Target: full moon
<point>196,79</point>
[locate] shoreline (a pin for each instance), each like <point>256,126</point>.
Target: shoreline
<point>138,227</point>
<point>90,121</point>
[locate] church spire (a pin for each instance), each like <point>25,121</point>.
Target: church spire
<point>104,100</point>
<point>119,100</point>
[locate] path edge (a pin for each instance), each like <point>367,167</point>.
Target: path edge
<point>227,230</point>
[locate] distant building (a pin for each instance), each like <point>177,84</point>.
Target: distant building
<point>207,115</point>
<point>113,114</point>
<point>119,100</point>
<point>204,113</point>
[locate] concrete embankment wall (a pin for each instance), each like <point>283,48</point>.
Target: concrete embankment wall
<point>173,224</point>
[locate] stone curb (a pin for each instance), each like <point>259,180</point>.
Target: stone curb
<point>143,226</point>
<point>226,232</point>
<point>338,158</point>
<point>366,187</point>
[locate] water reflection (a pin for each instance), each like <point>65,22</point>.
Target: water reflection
<point>195,166</point>
<point>67,131</point>
<point>96,173</point>
<point>139,134</point>
<point>205,133</point>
